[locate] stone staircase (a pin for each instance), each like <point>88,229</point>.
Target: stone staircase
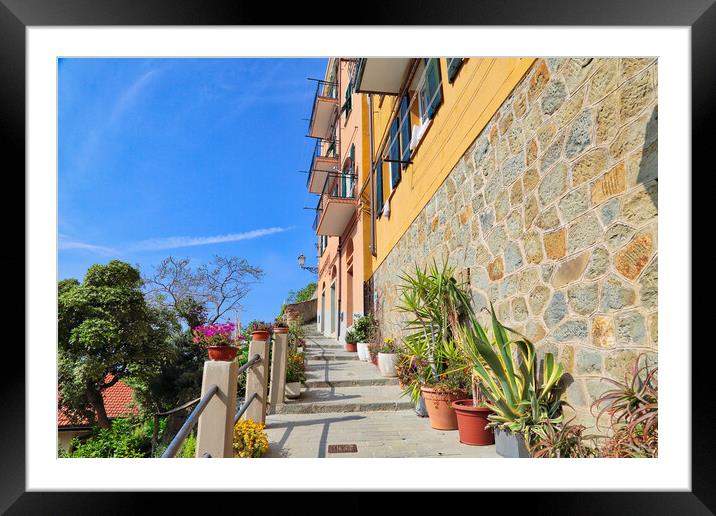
<point>337,382</point>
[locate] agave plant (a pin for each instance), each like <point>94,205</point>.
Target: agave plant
<point>509,378</point>
<point>633,410</point>
<point>553,441</point>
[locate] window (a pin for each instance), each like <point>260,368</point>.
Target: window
<point>404,131</point>
<point>430,94</point>
<point>350,170</point>
<point>453,66</point>
<point>394,153</point>
<point>378,188</point>
<point>348,104</point>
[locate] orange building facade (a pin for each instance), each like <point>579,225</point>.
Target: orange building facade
<point>335,173</point>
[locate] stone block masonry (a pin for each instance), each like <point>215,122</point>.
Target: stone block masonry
<point>553,208</point>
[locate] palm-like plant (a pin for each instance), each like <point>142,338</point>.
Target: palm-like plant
<point>509,377</point>
<point>435,303</point>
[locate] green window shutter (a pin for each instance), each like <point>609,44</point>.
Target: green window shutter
<point>453,66</point>
<point>404,131</point>
<point>394,150</point>
<point>348,104</point>
<point>378,188</point>
<point>431,92</point>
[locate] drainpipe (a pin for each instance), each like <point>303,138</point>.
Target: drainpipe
<point>372,166</point>
<point>340,163</point>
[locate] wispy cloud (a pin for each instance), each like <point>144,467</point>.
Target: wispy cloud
<point>66,243</point>
<point>129,95</point>
<point>158,244</point>
<point>119,107</point>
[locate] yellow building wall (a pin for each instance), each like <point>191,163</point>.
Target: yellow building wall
<point>478,91</point>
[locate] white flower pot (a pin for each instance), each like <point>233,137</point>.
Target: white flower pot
<point>363,353</point>
<point>293,390</point>
<point>386,364</point>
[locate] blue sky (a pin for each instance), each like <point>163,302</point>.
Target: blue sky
<point>188,158</point>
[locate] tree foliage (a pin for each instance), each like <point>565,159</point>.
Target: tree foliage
<point>106,332</point>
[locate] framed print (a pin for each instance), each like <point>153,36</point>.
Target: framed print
<point>331,247</point>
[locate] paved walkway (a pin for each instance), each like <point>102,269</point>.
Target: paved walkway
<point>346,401</point>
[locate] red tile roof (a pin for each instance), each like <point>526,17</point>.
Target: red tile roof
<point>117,402</point>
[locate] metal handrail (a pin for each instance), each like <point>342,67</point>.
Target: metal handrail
<point>254,360</point>
<point>244,407</point>
<point>190,422</point>
<point>193,418</point>
<point>179,408</point>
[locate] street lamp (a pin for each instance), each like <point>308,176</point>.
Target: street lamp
<point>302,264</point>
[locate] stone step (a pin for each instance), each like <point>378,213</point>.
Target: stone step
<point>312,384</point>
<point>329,356</point>
<point>345,399</point>
<point>310,345</point>
<point>331,371</point>
<point>321,408</point>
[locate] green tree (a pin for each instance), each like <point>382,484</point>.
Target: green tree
<point>304,294</point>
<point>107,333</point>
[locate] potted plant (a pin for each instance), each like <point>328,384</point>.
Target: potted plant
<point>442,389</point>
<point>280,325</point>
<point>295,333</point>
<point>260,330</point>
<point>515,393</point>
<point>387,357</point>
<point>363,328</point>
<point>472,422</point>
<point>351,341</point>
<point>218,340</point>
<point>435,302</point>
<point>295,374</point>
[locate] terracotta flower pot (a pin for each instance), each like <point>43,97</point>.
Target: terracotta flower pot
<point>439,405</point>
<point>352,346</point>
<point>280,329</point>
<point>222,353</point>
<point>471,423</point>
<point>260,335</point>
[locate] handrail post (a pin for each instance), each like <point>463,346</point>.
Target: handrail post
<point>257,382</point>
<point>278,367</point>
<point>216,423</point>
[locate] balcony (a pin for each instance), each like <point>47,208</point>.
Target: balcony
<point>336,205</point>
<point>384,76</point>
<point>325,111</point>
<point>325,161</point>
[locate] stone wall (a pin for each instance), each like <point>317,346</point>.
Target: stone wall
<point>553,209</point>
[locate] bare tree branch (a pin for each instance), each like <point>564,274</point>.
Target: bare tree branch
<point>218,286</point>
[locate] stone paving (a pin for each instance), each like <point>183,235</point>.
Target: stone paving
<point>346,401</point>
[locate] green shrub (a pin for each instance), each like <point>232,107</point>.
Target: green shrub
<point>127,438</point>
<point>188,449</point>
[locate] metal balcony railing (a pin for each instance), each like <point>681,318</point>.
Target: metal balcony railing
<point>323,149</point>
<point>326,93</point>
<point>337,186</point>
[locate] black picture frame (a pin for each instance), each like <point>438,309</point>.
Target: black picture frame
<point>17,15</point>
